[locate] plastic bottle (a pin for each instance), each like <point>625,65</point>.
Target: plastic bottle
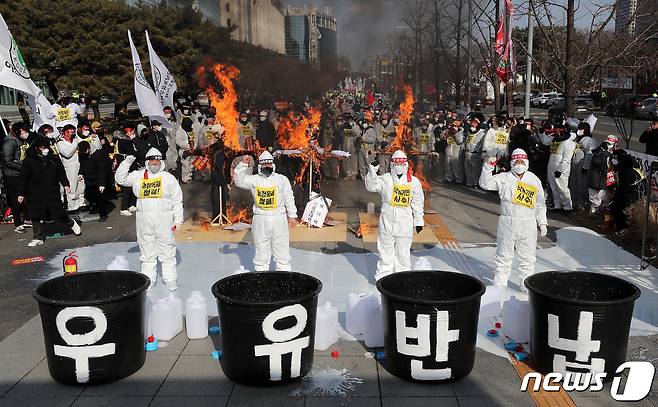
<point>196,316</point>
<point>355,314</point>
<point>373,334</point>
<point>163,324</point>
<point>516,320</point>
<point>326,326</point>
<point>177,307</point>
<point>370,208</point>
<point>148,313</point>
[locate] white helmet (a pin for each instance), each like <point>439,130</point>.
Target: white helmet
<point>399,163</point>
<point>217,128</point>
<point>265,158</point>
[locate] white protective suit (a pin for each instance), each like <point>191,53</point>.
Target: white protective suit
<point>274,203</point>
<point>402,210</point>
<point>350,164</point>
<point>522,209</point>
<point>67,114</point>
<point>385,134</point>
<point>367,149</point>
<point>496,142</point>
<point>185,141</point>
<point>68,152</point>
<point>473,142</point>
<point>560,160</point>
<point>172,155</point>
<point>159,207</point>
<point>424,140</point>
<point>454,159</point>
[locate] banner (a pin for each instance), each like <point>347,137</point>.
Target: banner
<point>644,162</point>
<point>13,71</point>
<point>149,104</point>
<point>163,80</point>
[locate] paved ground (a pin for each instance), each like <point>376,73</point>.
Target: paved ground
<point>183,373</point>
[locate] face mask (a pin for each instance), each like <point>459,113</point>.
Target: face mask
<point>519,169</point>
<point>186,112</point>
<point>615,162</point>
<point>267,171</point>
<point>580,132</point>
<point>157,128</point>
<point>153,168</point>
<point>51,135</point>
<point>521,122</point>
<point>473,129</point>
<point>168,115</point>
<point>262,118</point>
<point>442,125</point>
<point>23,135</point>
<point>399,169</point>
<point>86,133</point>
<point>45,152</point>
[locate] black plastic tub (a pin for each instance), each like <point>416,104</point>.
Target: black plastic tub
<point>430,324</point>
<point>576,309</point>
<point>93,325</point>
<point>268,326</point>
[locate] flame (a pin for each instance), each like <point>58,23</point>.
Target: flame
<point>205,225</point>
<point>402,130</point>
<point>421,177</point>
<point>236,215</point>
<point>225,102</point>
<point>364,229</point>
<point>295,132</point>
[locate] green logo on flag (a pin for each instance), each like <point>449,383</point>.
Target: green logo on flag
<point>17,62</point>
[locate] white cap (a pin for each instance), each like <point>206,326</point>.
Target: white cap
<point>398,154</point>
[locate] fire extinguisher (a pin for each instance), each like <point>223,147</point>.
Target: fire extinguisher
<point>70,264</point>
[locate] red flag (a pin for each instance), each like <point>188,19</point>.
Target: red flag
<point>500,37</point>
<point>371,98</point>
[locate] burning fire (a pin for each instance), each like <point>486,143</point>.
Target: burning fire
<point>295,133</point>
<point>225,103</point>
<point>364,229</point>
<point>402,130</point>
<point>236,215</point>
<point>296,130</point>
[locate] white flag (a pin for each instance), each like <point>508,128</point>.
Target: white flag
<point>163,80</point>
<point>43,111</point>
<point>149,104</point>
<point>13,71</point>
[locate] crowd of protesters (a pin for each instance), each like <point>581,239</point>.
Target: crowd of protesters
<point>66,168</point>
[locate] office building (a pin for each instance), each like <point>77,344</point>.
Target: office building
<point>257,22</point>
<point>311,36</point>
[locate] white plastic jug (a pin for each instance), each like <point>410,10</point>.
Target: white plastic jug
<point>373,334</point>
<point>370,208</point>
<point>326,326</point>
<point>177,309</point>
<point>164,320</point>
<point>355,314</point>
<point>490,302</point>
<point>148,312</point>
<point>516,320</point>
<point>196,316</point>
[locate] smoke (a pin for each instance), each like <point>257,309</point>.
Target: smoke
<point>364,26</point>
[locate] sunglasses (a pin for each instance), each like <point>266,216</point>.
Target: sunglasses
<point>399,160</point>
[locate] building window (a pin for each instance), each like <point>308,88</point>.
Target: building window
<point>228,7</point>
<point>228,22</point>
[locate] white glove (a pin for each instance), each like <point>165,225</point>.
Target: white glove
<point>374,169</point>
<point>543,230</point>
<point>101,189</point>
<point>130,159</point>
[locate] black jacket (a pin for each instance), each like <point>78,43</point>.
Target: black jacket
<point>218,168</point>
<point>40,182</point>
<point>266,134</point>
<point>628,181</point>
<point>94,168</point>
<point>158,140</point>
<point>11,156</point>
<point>650,138</point>
<point>598,171</point>
<point>136,147</point>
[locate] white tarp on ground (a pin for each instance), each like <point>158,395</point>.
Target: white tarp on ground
<point>201,264</point>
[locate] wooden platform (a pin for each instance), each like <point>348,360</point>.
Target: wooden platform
<point>372,222</point>
<point>337,233</point>
<point>193,232</point>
